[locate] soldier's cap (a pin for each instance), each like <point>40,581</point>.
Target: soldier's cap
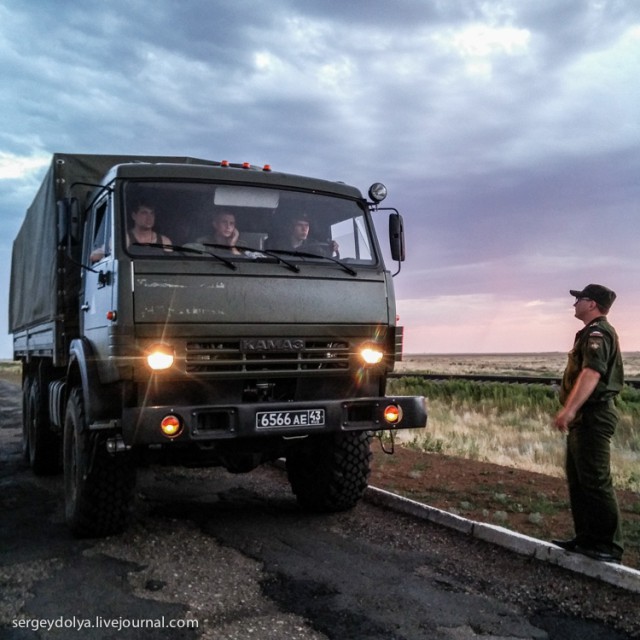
<point>598,293</point>
<point>298,217</point>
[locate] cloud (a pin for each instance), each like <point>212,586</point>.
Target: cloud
<point>489,323</point>
<point>507,133</point>
<point>484,323</point>
<point>14,167</point>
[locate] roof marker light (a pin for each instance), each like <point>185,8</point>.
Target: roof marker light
<point>224,163</point>
<point>267,167</point>
<point>246,165</point>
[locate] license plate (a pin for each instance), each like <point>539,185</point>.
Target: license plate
<point>296,418</point>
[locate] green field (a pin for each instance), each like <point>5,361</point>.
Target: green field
<point>11,371</point>
<point>510,425</point>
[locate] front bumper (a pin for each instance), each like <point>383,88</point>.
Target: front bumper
<point>141,426</point>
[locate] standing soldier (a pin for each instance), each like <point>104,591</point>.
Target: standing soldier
<point>593,377</point>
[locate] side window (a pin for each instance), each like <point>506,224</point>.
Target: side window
<point>101,234</point>
<point>353,239</point>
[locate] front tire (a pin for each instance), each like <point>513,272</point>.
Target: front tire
<point>330,473</point>
<point>98,486</point>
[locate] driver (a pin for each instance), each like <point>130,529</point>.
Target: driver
<point>297,237</point>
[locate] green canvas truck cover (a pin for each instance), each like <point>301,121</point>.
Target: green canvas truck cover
<point>33,295</point>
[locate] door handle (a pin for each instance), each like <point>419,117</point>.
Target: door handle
<point>85,307</point>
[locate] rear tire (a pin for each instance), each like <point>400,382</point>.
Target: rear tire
<point>98,486</point>
<point>25,420</point>
<point>40,444</point>
<point>330,473</point>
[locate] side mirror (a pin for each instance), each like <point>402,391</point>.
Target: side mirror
<point>396,237</point>
<point>68,222</point>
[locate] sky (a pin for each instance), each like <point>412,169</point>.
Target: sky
<point>507,133</point>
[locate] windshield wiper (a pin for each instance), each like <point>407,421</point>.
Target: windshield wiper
<point>185,249</point>
<point>271,254</point>
<point>305,254</point>
<point>266,252</point>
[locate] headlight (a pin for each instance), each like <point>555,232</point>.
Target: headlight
<point>371,354</point>
<point>160,357</point>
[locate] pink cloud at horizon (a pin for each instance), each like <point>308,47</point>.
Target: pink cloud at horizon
<point>487,324</point>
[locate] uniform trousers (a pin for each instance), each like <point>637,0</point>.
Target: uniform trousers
<point>594,506</point>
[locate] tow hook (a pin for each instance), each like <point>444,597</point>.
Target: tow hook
<point>116,445</point>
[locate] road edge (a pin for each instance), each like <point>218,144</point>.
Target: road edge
<point>617,575</point>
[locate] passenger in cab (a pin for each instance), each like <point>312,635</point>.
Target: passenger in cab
<point>225,232</point>
<point>142,232</point>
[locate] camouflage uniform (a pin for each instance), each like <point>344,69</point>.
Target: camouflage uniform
<point>594,506</point>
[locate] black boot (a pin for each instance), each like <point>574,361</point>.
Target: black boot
<point>567,545</point>
<point>596,554</point>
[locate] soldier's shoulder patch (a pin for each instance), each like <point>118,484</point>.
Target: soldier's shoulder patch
<point>595,342</point>
<point>596,334</point>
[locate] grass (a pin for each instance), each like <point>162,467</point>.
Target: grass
<point>510,425</point>
<point>11,371</point>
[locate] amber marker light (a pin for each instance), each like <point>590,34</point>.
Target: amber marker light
<point>393,413</point>
<point>171,426</point>
<point>371,354</point>
<point>160,357</point>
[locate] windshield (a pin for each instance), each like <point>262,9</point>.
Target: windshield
<point>194,220</point>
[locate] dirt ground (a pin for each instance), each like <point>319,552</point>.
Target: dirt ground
<point>530,503</point>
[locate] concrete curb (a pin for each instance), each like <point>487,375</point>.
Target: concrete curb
<point>617,575</point>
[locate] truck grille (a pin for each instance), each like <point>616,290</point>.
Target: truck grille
<point>222,356</point>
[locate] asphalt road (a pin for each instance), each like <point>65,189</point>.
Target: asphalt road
<point>235,555</point>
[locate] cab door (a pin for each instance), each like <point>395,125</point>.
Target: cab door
<point>97,292</point>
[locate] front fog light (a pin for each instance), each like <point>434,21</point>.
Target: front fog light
<point>171,426</point>
<point>371,354</point>
<point>393,413</point>
<point>160,357</point>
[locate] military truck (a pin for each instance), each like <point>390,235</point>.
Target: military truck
<point>160,341</point>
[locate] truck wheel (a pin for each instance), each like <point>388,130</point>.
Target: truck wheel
<point>330,473</point>
<point>42,445</point>
<point>98,486</point>
<point>25,420</point>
